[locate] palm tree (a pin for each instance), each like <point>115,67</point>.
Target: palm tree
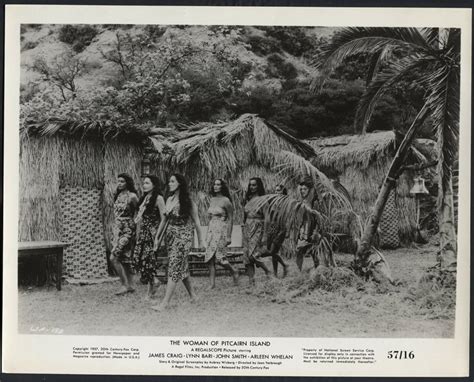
<point>434,59</point>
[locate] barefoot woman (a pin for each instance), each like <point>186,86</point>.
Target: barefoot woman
<point>252,232</point>
<point>219,232</point>
<point>125,206</point>
<point>180,218</point>
<point>149,216</point>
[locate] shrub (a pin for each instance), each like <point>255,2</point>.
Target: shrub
<point>279,67</point>
<point>29,45</point>
<point>79,36</point>
<point>292,39</point>
<point>263,45</point>
<point>155,31</point>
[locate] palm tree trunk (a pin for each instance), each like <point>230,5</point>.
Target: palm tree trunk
<point>447,227</point>
<point>363,258</point>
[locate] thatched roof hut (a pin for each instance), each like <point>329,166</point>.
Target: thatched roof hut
<point>234,151</point>
<point>68,174</point>
<point>360,163</point>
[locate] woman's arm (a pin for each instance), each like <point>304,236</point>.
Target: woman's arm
<point>133,201</point>
<point>159,232</point>
<point>197,224</point>
<point>160,203</point>
<point>266,227</point>
<point>230,219</point>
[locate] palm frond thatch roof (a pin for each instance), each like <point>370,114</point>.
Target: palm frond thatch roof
<point>85,129</point>
<point>355,150</point>
<point>219,150</point>
<point>192,138</point>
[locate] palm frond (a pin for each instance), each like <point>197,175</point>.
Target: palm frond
<point>284,210</point>
<point>432,36</point>
<point>293,168</point>
<point>444,103</point>
<point>453,42</point>
<point>383,82</point>
<point>403,37</point>
<point>376,62</point>
<point>351,41</point>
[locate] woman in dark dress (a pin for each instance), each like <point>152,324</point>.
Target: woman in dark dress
<point>150,214</point>
<point>125,205</point>
<point>176,228</point>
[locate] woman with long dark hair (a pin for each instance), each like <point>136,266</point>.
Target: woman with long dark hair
<point>125,205</point>
<point>219,231</point>
<point>150,214</point>
<point>176,228</point>
<point>253,231</point>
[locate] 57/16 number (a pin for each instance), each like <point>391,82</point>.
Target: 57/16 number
<point>400,354</point>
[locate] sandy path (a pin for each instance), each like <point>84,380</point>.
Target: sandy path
<point>232,311</point>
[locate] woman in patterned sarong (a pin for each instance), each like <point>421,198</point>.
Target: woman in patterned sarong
<point>150,214</point>
<point>125,205</point>
<point>219,231</point>
<point>253,231</point>
<point>176,228</point>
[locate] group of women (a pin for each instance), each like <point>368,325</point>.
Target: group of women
<point>151,228</point>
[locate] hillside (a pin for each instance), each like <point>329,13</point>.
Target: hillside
<point>166,75</point>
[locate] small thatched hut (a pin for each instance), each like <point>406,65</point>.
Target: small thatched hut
<point>68,176</point>
<point>360,163</point>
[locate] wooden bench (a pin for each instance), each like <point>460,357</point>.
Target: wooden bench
<point>43,248</point>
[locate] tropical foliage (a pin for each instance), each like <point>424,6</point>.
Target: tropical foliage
<point>431,59</point>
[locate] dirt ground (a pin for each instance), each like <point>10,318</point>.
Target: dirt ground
<point>239,311</point>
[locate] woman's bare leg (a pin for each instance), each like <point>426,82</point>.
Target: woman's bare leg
<point>151,288</point>
<point>275,266</point>
<point>299,258</point>
<point>262,265</point>
<point>129,275</point>
<point>251,273</point>
<point>212,272</point>
<point>189,288</point>
<point>170,288</point>
<point>121,273</point>
<point>234,272</point>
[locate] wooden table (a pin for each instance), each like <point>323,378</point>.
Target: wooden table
<point>42,248</point>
